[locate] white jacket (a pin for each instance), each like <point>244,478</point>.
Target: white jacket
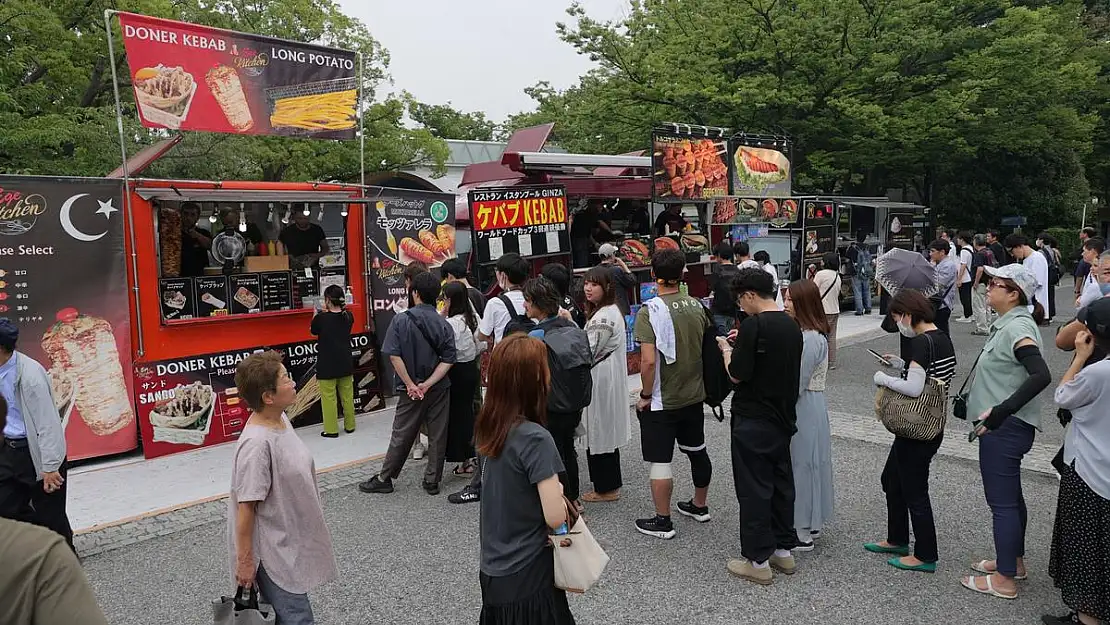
<point>45,438</point>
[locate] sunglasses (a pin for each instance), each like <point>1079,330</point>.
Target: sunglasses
<point>994,284</point>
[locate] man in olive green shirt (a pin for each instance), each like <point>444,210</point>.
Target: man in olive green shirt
<point>41,581</point>
<point>670,329</point>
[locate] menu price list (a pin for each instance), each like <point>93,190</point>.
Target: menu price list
<point>14,295</point>
<point>277,292</point>
<point>211,296</point>
<point>216,296</point>
<point>177,298</point>
<point>244,290</point>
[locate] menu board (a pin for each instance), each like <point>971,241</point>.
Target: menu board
<point>211,296</point>
<point>688,168</point>
<point>333,277</point>
<point>530,221</point>
<point>177,298</point>
<point>304,287</point>
<point>192,402</point>
<point>190,77</point>
<point>819,240</point>
<point>736,210</point>
<point>63,283</point>
<point>245,291</point>
<point>277,291</point>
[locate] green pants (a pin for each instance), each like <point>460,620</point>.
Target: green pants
<point>346,391</point>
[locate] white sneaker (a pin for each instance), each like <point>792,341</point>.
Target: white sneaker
<point>964,320</point>
<point>417,451</point>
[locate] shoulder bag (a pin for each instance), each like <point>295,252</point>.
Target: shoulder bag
<point>919,418</point>
<point>579,559</point>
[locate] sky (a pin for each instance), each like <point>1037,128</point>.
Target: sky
<point>479,55</point>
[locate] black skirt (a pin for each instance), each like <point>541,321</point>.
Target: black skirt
<point>528,597</point>
<point>460,424</point>
<point>1080,559</point>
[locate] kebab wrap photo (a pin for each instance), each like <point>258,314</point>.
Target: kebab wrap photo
<point>185,418</point>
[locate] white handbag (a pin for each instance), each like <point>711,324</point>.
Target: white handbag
<point>579,559</point>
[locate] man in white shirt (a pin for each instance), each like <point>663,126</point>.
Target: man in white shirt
<point>1088,288</point>
<point>512,272</point>
<point>946,235</point>
<point>963,279</point>
<point>1034,261</point>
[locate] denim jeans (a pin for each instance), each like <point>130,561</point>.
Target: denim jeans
<point>289,608</point>
<point>1000,455</point>
<point>861,289</point>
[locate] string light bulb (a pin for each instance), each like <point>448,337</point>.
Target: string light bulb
<point>270,215</point>
<point>320,215</point>
<point>307,210</point>
<point>343,211</point>
<point>242,217</point>
<point>287,215</point>
<point>212,217</point>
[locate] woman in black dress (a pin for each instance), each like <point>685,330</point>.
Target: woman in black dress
<point>464,377</point>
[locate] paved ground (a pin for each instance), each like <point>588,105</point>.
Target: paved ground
<point>411,558</point>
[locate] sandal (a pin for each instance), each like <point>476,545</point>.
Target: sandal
<point>596,497</point>
<point>970,583</point>
<point>462,470</point>
<point>981,567</point>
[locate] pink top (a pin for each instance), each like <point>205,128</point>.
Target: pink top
<point>276,469</point>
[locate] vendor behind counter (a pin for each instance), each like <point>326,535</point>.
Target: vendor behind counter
<point>304,241</point>
<point>195,241</point>
<point>670,220</point>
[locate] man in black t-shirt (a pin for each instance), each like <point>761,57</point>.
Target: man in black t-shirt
<point>194,242</point>
<point>304,240</point>
<point>670,219</point>
<point>724,304</point>
<point>1001,256</point>
<point>765,365</point>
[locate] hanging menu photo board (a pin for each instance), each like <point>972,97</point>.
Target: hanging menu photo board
<point>245,290</point>
<point>688,168</point>
<point>63,284</point>
<point>211,296</point>
<point>530,221</point>
<point>760,167</point>
<point>176,296</point>
<point>820,231</point>
<point>277,293</point>
<point>192,77</point>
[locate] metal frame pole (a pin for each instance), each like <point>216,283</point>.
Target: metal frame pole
<point>361,129</point>
<point>108,13</point>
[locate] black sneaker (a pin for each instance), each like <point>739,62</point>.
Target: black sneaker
<point>376,485</point>
<point>657,526</point>
<point>431,488</point>
<point>698,513</point>
<point>1067,619</point>
<point>466,495</point>
<point>803,546</point>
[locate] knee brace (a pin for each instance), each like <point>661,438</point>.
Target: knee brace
<point>660,471</point>
<point>701,468</point>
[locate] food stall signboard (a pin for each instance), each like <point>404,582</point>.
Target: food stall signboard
<point>192,402</point>
<point>530,221</point>
<point>760,168</point>
<point>686,168</point>
<point>191,77</point>
<point>736,210</point>
<point>63,284</point>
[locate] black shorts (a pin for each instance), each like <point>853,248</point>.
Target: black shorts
<point>661,429</point>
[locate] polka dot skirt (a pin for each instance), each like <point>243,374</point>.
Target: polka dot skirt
<point>1080,560</point>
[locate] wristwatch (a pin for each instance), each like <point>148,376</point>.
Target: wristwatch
<point>642,396</point>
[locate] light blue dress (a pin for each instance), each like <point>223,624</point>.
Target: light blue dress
<point>811,447</point>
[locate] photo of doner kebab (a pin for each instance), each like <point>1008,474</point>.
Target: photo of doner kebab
<point>83,350</point>
<point>226,88</point>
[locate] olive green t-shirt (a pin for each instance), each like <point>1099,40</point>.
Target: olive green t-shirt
<point>998,374</point>
<point>680,383</point>
<point>41,581</point>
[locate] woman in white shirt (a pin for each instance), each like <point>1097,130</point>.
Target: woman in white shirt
<point>464,376</point>
<point>1080,557</point>
<point>828,285</point>
<point>608,416</point>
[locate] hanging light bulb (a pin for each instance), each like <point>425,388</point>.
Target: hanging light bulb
<point>343,210</point>
<point>307,210</point>
<point>270,216</point>
<point>212,217</point>
<point>242,222</point>
<point>287,215</point>
<point>320,215</point>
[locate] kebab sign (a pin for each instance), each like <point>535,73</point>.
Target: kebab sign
<point>761,167</point>
<point>190,77</point>
<point>530,221</point>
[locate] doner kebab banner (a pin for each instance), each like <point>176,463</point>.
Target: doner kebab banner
<point>190,77</point>
<point>63,283</point>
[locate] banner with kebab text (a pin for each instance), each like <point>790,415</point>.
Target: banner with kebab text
<point>190,77</point>
<point>530,221</point>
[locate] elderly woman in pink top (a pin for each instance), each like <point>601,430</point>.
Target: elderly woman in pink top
<point>276,528</point>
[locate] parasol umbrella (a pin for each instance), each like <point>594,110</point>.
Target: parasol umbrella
<point>902,269</point>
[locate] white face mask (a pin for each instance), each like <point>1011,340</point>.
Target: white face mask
<point>906,330</point>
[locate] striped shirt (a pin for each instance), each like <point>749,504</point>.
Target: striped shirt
<point>933,351</point>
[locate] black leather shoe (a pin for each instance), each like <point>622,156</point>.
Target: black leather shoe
<point>430,488</point>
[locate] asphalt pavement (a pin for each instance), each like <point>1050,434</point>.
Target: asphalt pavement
<point>412,558</point>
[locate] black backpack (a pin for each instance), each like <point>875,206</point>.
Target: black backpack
<point>716,380</point>
<point>1053,267</point>
<point>569,358</point>
<point>517,321</point>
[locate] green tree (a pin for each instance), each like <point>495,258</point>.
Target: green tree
<point>58,114</point>
<point>445,122</point>
<point>904,94</point>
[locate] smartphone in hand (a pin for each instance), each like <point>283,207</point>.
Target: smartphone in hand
<point>879,357</point>
<point>974,434</point>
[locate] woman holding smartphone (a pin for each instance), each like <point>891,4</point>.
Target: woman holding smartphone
<point>522,498</point>
<point>905,477</point>
<point>1009,375</point>
<point>334,366</point>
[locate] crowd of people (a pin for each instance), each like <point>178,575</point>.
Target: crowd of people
<point>557,374</point>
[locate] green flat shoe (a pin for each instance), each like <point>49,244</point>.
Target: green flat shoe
<point>903,550</point>
<point>924,567</point>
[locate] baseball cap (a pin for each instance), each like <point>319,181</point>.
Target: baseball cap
<point>1024,278</point>
<point>606,250</point>
<point>1096,316</point>
<point>8,332</point>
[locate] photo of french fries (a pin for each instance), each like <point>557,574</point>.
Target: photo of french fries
<point>318,113</point>
<point>428,247</point>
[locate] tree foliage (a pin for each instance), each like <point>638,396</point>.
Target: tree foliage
<point>58,113</point>
<point>445,122</point>
<point>981,108</point>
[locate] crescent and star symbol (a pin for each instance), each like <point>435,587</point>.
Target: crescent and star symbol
<point>105,209</point>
